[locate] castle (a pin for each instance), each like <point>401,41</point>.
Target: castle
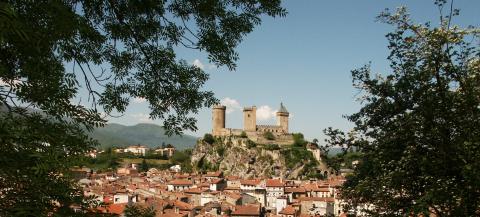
<point>250,127</point>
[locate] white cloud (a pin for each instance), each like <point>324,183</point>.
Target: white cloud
<point>142,117</point>
<point>265,112</point>
<point>198,64</point>
<point>231,104</point>
<point>139,100</point>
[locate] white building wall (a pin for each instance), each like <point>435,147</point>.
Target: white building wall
<point>281,203</point>
<point>120,198</point>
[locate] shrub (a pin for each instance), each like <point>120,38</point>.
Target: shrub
<point>220,151</point>
<point>243,135</point>
<point>272,147</point>
<point>269,136</point>
<point>208,138</point>
<point>297,155</point>
<point>180,157</point>
<point>299,140</point>
<point>251,144</point>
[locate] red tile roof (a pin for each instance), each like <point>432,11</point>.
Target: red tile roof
<point>180,182</point>
<point>289,210</point>
<point>324,199</point>
<point>295,190</point>
<point>214,174</point>
<point>194,191</point>
<point>114,208</point>
<point>274,183</point>
<point>253,182</point>
<point>247,210</point>
<point>232,178</point>
<point>182,205</point>
<point>216,181</point>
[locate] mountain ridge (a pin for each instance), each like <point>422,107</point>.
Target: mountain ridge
<point>151,135</point>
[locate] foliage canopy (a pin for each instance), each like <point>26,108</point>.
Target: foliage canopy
<point>77,62</point>
<point>418,129</point>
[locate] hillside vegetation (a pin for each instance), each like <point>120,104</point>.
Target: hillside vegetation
<point>242,157</point>
<point>117,135</point>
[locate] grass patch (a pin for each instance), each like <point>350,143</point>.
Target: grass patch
<point>149,161</point>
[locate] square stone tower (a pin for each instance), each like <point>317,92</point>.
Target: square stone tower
<point>250,118</point>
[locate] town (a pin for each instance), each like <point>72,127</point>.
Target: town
<point>173,192</point>
<point>248,108</point>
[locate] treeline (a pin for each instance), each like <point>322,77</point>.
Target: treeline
<point>110,160</point>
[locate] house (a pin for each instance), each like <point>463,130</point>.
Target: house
<point>214,175</point>
<point>127,171</point>
<point>207,197</point>
<point>195,195</point>
<point>295,192</point>
<point>137,149</point>
<point>274,188</point>
<point>182,207</point>
<point>250,184</point>
<point>289,211</point>
<point>124,197</point>
<point>179,185</point>
<point>167,151</point>
<point>254,189</point>
<point>232,198</point>
<point>281,203</point>
<point>247,210</point>
<point>213,209</point>
<point>317,205</point>
<point>217,184</point>
<point>233,183</point>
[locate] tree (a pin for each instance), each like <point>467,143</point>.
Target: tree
<point>268,135</point>
<point>299,140</point>
<point>144,166</point>
<point>208,138</point>
<point>137,211</point>
<point>418,128</point>
<point>66,66</point>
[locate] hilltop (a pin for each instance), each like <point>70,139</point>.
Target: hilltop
<point>151,135</point>
<point>242,157</point>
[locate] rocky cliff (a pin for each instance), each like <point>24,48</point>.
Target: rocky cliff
<point>242,157</point>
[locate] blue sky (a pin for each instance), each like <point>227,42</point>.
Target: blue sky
<point>304,60</point>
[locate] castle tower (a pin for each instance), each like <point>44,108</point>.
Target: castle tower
<point>282,118</point>
<point>218,119</point>
<point>250,118</point>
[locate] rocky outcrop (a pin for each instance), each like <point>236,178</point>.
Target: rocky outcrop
<point>244,158</point>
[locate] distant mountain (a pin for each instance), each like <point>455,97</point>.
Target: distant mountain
<point>146,134</point>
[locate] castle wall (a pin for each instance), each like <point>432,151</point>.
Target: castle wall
<point>253,131</point>
<point>285,139</point>
<point>271,128</point>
